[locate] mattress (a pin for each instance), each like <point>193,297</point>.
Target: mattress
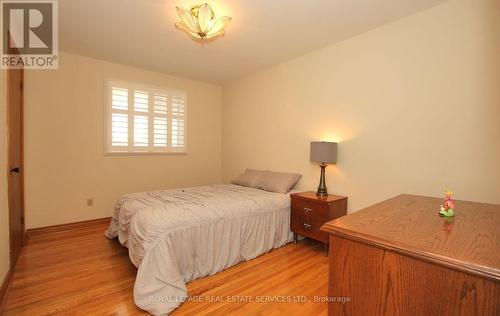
<point>175,236</point>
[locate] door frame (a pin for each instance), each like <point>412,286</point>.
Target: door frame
<point>14,256</point>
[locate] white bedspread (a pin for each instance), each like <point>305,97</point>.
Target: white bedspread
<point>175,236</point>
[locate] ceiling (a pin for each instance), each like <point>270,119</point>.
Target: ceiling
<point>141,33</point>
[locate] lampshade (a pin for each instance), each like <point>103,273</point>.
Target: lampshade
<point>323,152</point>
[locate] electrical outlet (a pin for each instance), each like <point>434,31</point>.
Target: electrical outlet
<point>90,202</point>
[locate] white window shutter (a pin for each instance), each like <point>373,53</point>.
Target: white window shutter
<point>160,118</point>
<point>178,109</point>
<point>119,117</point>
<point>119,129</point>
<point>141,125</point>
<point>120,98</point>
<point>143,120</point>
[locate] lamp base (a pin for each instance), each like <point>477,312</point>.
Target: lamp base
<point>322,190</point>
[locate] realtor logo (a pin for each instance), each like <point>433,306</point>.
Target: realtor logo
<point>29,34</point>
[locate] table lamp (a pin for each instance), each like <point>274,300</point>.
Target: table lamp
<point>323,153</point>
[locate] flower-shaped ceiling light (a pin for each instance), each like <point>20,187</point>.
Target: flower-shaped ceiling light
<point>200,22</point>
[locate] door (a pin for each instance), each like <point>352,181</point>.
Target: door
<point>15,161</point>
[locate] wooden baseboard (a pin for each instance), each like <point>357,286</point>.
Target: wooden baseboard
<point>64,227</point>
<point>3,290</point>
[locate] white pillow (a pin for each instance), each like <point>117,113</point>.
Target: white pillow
<point>278,182</point>
<point>250,178</point>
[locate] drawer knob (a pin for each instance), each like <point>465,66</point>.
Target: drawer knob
<point>307,226</point>
<point>307,210</point>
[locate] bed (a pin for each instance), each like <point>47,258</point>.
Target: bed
<point>175,236</point>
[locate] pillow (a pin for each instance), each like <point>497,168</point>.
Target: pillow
<point>250,178</point>
<point>278,182</point>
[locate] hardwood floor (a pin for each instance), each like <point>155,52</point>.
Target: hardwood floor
<point>80,272</point>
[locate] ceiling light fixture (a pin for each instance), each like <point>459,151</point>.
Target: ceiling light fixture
<point>200,23</point>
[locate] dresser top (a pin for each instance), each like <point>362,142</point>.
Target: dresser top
<point>311,196</point>
<point>410,224</point>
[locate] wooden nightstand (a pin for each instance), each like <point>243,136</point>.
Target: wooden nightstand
<point>310,212</point>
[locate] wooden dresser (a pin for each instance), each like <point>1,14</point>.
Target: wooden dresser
<point>310,212</point>
<point>399,257</point>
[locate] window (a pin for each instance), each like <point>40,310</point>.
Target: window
<point>143,119</point>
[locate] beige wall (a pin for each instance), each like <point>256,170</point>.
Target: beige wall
<point>4,211</point>
<point>64,137</point>
<point>415,106</point>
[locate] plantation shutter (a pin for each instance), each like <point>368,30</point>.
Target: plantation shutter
<point>141,118</point>
<point>160,118</point>
<point>119,117</point>
<point>145,120</point>
<point>178,106</point>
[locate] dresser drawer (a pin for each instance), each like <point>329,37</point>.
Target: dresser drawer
<point>309,227</point>
<point>301,208</point>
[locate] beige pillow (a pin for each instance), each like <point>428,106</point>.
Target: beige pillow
<point>250,178</point>
<point>278,182</point>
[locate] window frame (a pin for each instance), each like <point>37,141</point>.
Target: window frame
<point>132,150</point>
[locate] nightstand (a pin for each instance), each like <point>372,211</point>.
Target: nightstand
<point>310,212</point>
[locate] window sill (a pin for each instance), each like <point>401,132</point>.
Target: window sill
<point>144,153</point>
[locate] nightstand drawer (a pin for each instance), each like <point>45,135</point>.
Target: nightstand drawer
<point>309,227</point>
<point>301,208</point>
